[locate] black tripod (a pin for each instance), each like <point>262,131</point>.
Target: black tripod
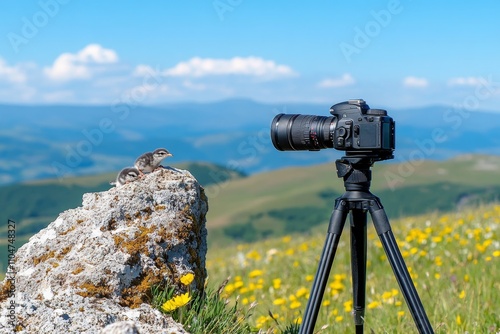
<point>358,199</point>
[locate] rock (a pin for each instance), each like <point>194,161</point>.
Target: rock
<point>94,266</point>
<point>122,327</point>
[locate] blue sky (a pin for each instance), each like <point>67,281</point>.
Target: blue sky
<point>396,53</point>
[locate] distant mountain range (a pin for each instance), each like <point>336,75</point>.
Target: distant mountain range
<point>39,142</point>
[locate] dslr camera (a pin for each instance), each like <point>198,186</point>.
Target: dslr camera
<point>353,127</point>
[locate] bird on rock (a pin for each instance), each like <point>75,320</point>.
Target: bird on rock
<point>150,161</point>
<point>126,175</point>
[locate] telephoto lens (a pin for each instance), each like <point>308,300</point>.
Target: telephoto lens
<point>295,132</point>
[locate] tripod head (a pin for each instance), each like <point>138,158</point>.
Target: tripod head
<point>356,172</point>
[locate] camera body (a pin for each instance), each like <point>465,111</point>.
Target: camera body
<point>360,128</point>
<point>353,127</point>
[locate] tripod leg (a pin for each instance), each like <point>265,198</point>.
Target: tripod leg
<point>358,266</point>
<point>337,222</point>
<point>398,265</point>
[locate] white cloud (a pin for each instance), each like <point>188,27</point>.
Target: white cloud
<point>12,74</point>
<point>95,75</point>
<point>144,71</point>
<point>81,65</point>
<point>415,82</point>
<point>250,66</point>
<point>466,81</point>
<point>344,80</point>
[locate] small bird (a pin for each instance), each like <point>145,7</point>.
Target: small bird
<point>126,175</point>
<point>150,161</point>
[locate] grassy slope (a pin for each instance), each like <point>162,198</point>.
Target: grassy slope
<point>454,260</point>
<point>431,186</point>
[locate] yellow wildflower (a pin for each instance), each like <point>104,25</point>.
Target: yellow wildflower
<point>437,239</point>
<point>261,321</point>
<point>279,301</point>
<point>277,283</point>
<point>187,279</point>
<point>336,285</point>
<point>255,273</point>
<point>176,302</point>
<point>348,306</point>
<point>229,288</point>
<point>253,255</point>
<point>387,295</point>
<point>373,304</point>
<point>302,291</point>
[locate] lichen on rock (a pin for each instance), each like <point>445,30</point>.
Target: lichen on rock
<point>97,263</point>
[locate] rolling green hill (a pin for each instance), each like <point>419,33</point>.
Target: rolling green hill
<point>296,199</point>
<point>291,200</point>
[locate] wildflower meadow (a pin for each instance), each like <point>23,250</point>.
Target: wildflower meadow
<point>454,261</point>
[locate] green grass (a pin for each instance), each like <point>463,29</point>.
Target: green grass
<point>454,260</point>
<point>205,312</point>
